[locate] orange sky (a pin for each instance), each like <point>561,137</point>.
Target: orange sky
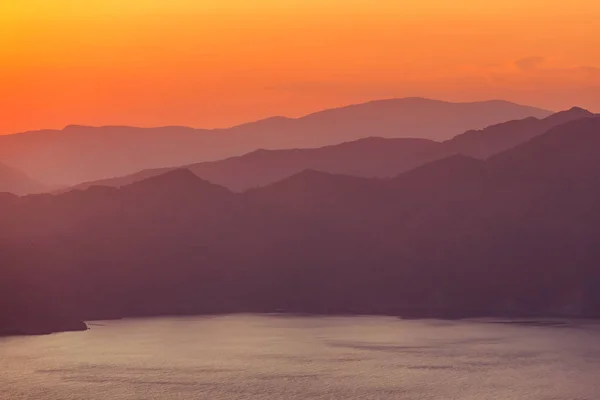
<point>209,63</point>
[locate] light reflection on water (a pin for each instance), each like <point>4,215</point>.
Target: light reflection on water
<point>284,357</point>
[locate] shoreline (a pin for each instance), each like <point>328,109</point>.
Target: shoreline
<point>522,319</point>
<point>41,329</point>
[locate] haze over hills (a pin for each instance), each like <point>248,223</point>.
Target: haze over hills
<point>78,154</point>
<point>515,234</point>
<point>369,157</point>
<point>15,181</point>
<point>363,157</point>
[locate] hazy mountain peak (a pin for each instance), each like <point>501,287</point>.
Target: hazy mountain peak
<point>579,109</point>
<point>385,105</point>
<point>177,180</point>
<point>312,179</point>
<point>571,114</point>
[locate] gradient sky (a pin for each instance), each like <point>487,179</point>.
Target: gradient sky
<point>217,63</point>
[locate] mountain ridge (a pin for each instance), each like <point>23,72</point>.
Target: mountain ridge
<point>367,157</point>
<point>513,235</point>
<point>78,153</point>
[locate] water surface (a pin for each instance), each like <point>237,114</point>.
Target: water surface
<point>283,357</point>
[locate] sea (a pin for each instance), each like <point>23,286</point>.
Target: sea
<point>294,357</point>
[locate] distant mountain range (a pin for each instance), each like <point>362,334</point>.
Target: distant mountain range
<point>369,157</point>
<point>515,234</point>
<point>78,153</point>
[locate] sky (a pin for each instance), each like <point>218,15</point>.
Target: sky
<point>209,63</point>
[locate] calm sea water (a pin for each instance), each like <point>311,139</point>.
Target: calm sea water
<point>277,357</point>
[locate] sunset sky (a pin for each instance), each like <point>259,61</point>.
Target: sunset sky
<point>218,63</point>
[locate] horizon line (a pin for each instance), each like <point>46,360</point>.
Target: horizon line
<point>79,125</point>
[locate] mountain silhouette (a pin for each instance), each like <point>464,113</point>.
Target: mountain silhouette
<point>78,154</point>
<point>515,235</point>
<point>369,157</point>
<point>500,137</point>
